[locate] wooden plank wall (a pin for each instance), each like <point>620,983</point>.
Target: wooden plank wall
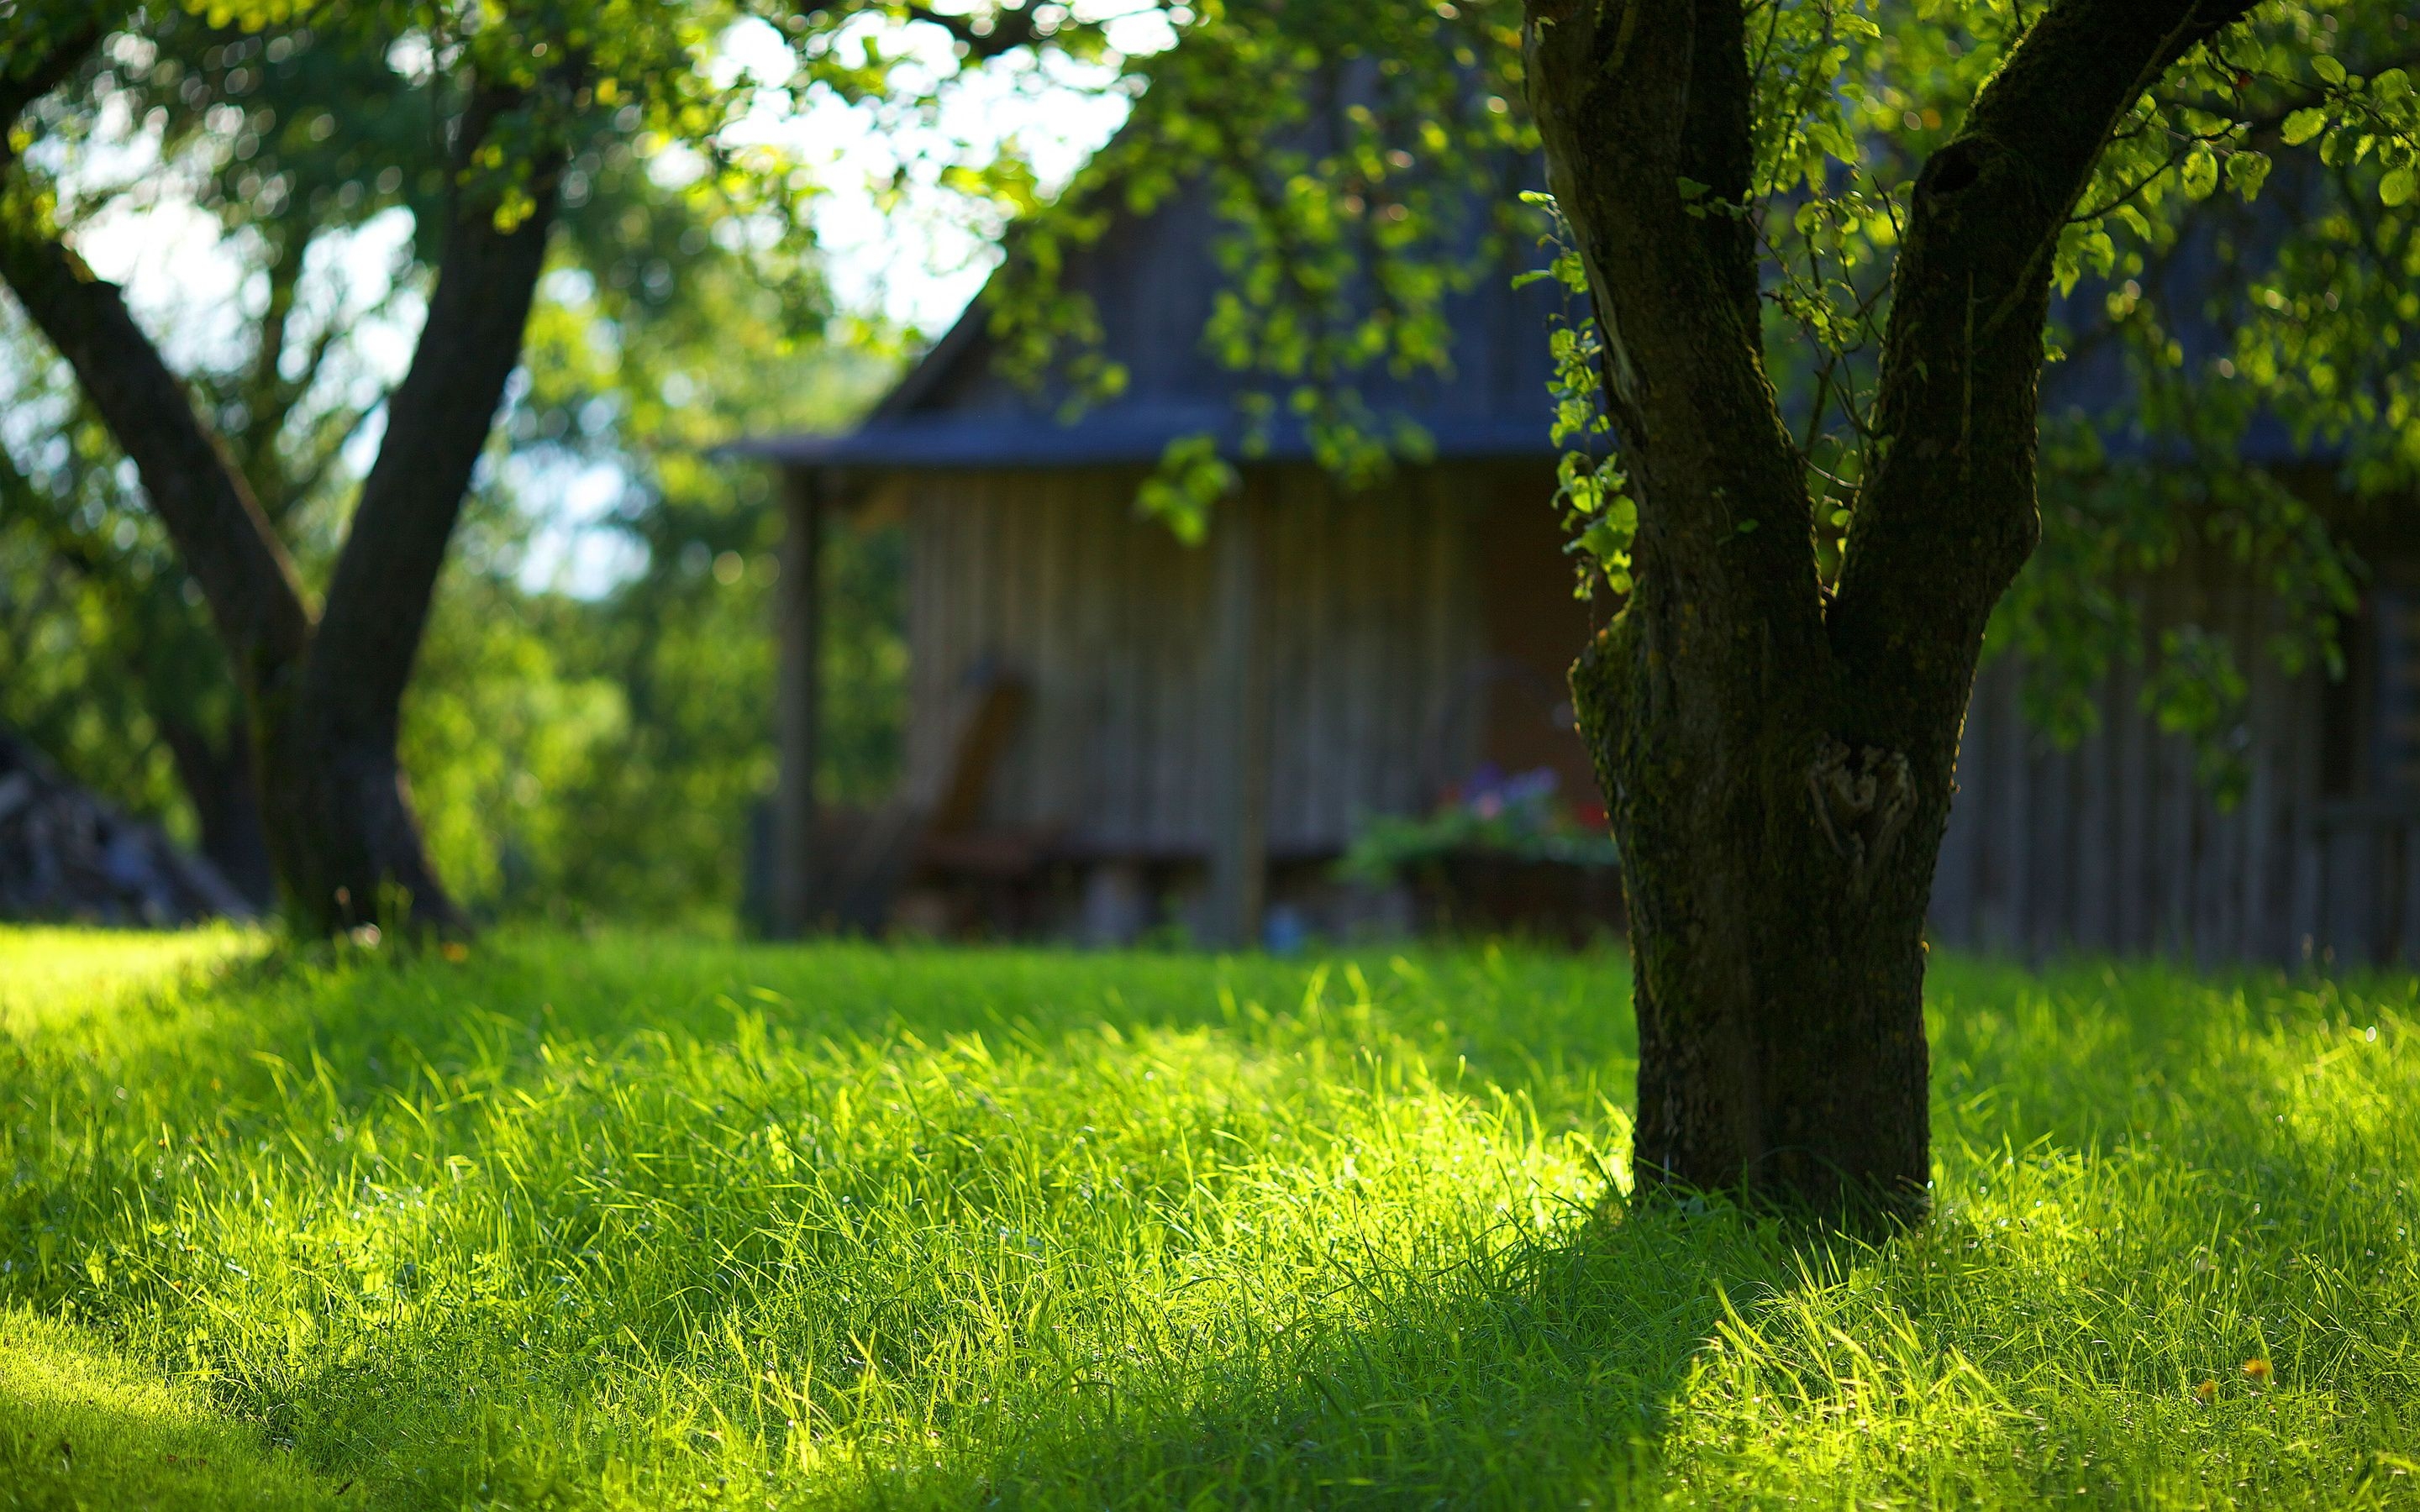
<point>1372,621</point>
<point>2116,847</point>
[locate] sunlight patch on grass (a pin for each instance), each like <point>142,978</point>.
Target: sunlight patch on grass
<point>80,1427</point>
<point>50,974</point>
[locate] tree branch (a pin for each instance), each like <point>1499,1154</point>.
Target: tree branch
<point>437,423</point>
<point>17,91</point>
<point>1645,110</point>
<point>1949,516</point>
<point>218,526</point>
<point>1009,30</point>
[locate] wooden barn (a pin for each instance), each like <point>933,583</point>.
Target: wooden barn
<point>2118,846</point>
<point>1110,729</point>
<point>1118,730</point>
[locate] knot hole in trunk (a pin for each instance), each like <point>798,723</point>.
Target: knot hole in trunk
<point>1863,796</point>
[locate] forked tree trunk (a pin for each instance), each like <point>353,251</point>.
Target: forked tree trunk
<point>1777,763</point>
<point>345,838</point>
<point>1776,880</point>
<point>325,696</point>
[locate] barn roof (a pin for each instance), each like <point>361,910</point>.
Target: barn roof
<point>1152,279</point>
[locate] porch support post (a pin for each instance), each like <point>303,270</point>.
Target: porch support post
<point>1237,739</point>
<point>798,637</point>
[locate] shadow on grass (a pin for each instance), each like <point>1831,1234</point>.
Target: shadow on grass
<point>1544,1375</point>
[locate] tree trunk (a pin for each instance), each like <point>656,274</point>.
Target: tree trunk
<point>1776,882</point>
<point>325,698</point>
<point>223,784</point>
<point>1779,765</point>
<point>346,841</point>
<point>345,838</point>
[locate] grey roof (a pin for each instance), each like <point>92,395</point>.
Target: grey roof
<point>1153,279</point>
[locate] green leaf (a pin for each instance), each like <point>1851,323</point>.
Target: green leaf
<point>2303,125</point>
<point>2328,68</point>
<point>2246,172</point>
<point>1191,479</point>
<point>2394,188</point>
<point>2201,171</point>
<point>1690,187</point>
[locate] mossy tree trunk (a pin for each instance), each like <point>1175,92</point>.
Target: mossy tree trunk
<point>1779,761</point>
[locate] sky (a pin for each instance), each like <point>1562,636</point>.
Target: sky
<point>914,265</point>
<point>919,267</point>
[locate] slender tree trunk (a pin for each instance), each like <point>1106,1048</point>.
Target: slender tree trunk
<point>325,696</point>
<point>1779,765</point>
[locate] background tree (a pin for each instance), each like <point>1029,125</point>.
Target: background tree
<point>633,711</point>
<point>324,691</point>
<point>285,396</point>
<point>496,114</point>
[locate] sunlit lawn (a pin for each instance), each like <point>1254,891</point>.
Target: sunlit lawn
<point>623,1221</point>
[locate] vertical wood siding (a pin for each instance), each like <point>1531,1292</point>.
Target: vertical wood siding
<point>1371,624</point>
<point>2116,846</point>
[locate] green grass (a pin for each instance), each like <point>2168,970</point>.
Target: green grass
<point>631,1222</point>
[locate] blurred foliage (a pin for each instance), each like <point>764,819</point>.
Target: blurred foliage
<point>686,305</point>
<point>569,755</point>
<point>602,754</point>
<point>99,645</point>
<point>1521,816</point>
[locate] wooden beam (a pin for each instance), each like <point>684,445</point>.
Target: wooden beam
<point>798,700</point>
<point>1237,739</point>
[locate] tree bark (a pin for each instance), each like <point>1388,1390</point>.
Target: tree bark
<point>220,782</point>
<point>325,699</point>
<point>1778,770</point>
